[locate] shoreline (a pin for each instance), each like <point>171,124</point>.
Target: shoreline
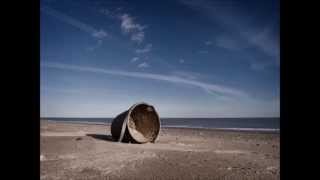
<point>233,129</point>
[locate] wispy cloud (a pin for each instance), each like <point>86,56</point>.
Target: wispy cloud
<point>185,75</point>
<point>181,61</point>
<point>110,13</point>
<point>229,16</point>
<point>213,88</point>
<point>129,26</point>
<point>137,37</point>
<point>134,29</point>
<point>97,45</point>
<point>134,59</point>
<point>143,65</point>
<point>227,43</point>
<point>190,75</point>
<point>264,40</point>
<point>146,49</point>
<point>99,34</point>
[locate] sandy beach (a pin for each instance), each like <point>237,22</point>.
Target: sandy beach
<point>87,151</point>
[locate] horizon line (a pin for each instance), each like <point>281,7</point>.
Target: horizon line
<point>165,117</point>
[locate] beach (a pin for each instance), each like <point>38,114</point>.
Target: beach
<point>87,151</point>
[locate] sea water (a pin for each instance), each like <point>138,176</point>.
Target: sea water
<point>240,124</point>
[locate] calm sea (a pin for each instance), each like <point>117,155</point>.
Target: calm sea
<point>245,124</point>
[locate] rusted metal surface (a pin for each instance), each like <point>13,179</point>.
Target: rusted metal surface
<point>139,124</point>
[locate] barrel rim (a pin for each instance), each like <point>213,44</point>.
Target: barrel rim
<point>132,108</point>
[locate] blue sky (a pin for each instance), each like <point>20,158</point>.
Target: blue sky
<point>189,58</point>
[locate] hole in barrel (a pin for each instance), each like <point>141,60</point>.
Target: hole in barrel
<point>144,123</point>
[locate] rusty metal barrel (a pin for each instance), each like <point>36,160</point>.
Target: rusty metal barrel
<point>139,124</point>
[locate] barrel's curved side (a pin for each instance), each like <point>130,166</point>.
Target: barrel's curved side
<point>116,125</point>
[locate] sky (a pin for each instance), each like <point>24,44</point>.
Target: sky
<point>188,58</point>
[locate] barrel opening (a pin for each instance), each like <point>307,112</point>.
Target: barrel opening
<point>139,124</point>
<point>144,124</point>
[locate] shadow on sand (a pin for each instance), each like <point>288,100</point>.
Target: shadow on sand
<point>102,137</point>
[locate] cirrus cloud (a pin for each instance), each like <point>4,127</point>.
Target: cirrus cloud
<point>143,65</point>
<point>146,49</point>
<point>207,87</point>
<point>129,26</point>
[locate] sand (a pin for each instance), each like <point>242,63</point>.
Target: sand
<point>87,151</point>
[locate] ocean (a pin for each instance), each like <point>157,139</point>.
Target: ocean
<point>238,124</point>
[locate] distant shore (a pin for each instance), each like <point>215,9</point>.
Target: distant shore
<point>87,151</point>
<point>264,130</point>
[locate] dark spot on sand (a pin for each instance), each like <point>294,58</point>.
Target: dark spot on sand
<point>267,155</point>
<point>257,144</point>
<point>78,138</point>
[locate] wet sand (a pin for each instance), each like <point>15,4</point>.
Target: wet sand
<point>87,151</point>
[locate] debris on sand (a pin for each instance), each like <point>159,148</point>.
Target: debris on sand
<point>42,157</point>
